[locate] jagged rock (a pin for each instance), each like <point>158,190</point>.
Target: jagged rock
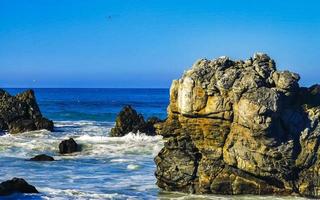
<point>16,185</point>
<point>42,157</point>
<point>240,127</point>
<point>150,125</point>
<point>128,120</point>
<point>44,123</point>
<point>21,113</point>
<point>68,146</point>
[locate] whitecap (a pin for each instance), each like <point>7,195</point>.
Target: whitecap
<point>133,167</point>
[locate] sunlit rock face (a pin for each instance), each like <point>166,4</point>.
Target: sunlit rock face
<point>240,127</point>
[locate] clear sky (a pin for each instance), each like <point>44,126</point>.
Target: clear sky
<point>147,43</point>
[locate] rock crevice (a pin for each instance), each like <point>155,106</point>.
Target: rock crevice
<point>240,127</point>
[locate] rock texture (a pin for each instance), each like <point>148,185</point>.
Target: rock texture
<point>21,113</point>
<point>240,127</point>
<point>68,146</point>
<point>42,157</point>
<point>128,120</point>
<point>16,185</point>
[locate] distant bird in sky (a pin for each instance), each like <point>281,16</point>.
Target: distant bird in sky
<point>109,17</point>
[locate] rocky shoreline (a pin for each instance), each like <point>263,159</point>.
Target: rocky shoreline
<point>233,128</point>
<point>240,127</point>
<point>21,113</point>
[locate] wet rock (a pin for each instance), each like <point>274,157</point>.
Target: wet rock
<point>22,125</point>
<point>16,185</point>
<point>150,125</point>
<point>128,120</point>
<point>240,127</point>
<point>21,113</point>
<point>42,157</point>
<point>44,123</point>
<point>68,146</point>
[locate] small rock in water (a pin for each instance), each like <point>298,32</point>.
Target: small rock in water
<point>128,120</point>
<point>68,146</point>
<point>16,185</point>
<point>42,157</point>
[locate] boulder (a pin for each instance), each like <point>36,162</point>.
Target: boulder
<point>128,120</point>
<point>16,185</point>
<point>42,157</point>
<point>68,146</point>
<point>21,113</point>
<point>240,127</point>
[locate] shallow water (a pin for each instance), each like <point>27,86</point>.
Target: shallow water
<point>117,168</point>
<point>106,168</point>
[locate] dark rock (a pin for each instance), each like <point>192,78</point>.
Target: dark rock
<point>42,157</point>
<point>128,120</point>
<point>240,127</point>
<point>310,96</point>
<point>44,123</point>
<point>16,185</point>
<point>21,125</point>
<point>68,146</point>
<point>150,125</point>
<point>21,113</point>
<point>29,98</point>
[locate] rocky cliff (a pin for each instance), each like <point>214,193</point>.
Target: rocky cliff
<point>21,113</point>
<point>240,127</point>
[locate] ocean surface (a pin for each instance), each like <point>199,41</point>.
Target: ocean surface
<point>107,167</point>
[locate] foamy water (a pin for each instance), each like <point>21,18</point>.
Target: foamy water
<point>106,168</point>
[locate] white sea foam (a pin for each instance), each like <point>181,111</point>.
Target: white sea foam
<point>133,167</point>
<point>78,194</point>
<point>106,168</point>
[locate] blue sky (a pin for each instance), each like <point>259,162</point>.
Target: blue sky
<point>147,43</point>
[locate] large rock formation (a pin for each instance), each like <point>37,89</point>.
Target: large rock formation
<point>240,127</point>
<point>128,120</point>
<point>21,113</point>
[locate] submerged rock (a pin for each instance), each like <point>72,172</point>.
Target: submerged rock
<point>68,146</point>
<point>16,185</point>
<point>42,157</point>
<point>240,127</point>
<point>21,113</point>
<point>128,120</point>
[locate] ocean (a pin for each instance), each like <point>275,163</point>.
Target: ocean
<point>107,167</point>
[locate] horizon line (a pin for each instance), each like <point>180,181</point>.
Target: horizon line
<point>85,87</point>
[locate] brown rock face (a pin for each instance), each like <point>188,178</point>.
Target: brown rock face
<point>240,127</point>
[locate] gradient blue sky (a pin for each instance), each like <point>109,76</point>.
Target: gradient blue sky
<point>147,43</point>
